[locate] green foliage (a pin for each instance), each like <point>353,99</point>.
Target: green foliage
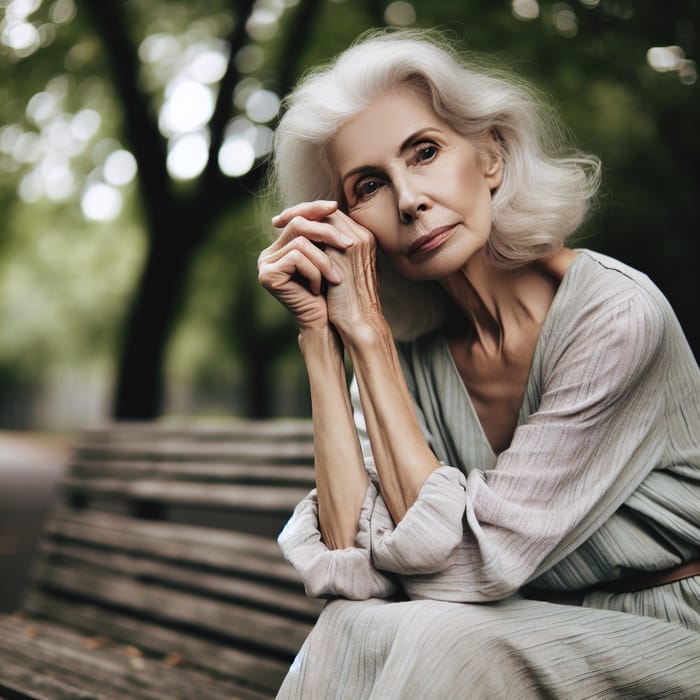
<point>65,282</point>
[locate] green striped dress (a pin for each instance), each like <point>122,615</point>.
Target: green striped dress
<point>602,477</point>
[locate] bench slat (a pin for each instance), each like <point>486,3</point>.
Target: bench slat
<point>226,550</point>
<point>228,431</point>
<point>259,594</point>
<point>269,474</point>
<point>224,661</point>
<point>242,497</point>
<point>108,672</point>
<point>267,630</point>
<point>275,453</point>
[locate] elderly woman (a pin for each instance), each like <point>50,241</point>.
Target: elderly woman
<point>508,494</point>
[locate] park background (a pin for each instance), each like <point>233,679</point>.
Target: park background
<point>132,145</point>
<point>133,136</point>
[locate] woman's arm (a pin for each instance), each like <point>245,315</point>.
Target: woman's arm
<point>402,457</point>
<point>341,479</point>
<point>293,269</point>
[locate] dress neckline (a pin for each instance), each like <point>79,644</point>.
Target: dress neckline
<point>523,413</point>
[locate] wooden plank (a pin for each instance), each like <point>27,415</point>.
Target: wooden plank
<point>254,452</point>
<point>206,583</point>
<point>242,497</point>
<point>229,430</point>
<point>170,607</point>
<point>224,661</point>
<point>225,550</point>
<point>268,474</point>
<point>61,657</point>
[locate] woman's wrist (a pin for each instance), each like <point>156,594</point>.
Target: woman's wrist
<point>371,334</point>
<point>320,343</point>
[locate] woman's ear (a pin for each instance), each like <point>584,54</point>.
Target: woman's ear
<point>492,161</point>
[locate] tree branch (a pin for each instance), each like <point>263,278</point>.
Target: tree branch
<point>140,129</point>
<point>209,198</point>
<point>294,41</point>
<point>216,191</point>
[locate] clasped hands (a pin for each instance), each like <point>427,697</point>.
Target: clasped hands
<point>318,243</point>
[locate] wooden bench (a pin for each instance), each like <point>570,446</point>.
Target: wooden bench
<point>159,575</point>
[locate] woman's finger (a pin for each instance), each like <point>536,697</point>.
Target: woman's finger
<point>275,276</point>
<point>315,210</point>
<point>321,232</point>
<point>310,250</point>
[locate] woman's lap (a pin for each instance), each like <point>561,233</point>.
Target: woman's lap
<point>515,648</point>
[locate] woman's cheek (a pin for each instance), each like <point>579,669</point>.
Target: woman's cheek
<point>372,218</point>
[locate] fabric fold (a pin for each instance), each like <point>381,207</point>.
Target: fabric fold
<point>346,573</point>
<point>429,532</point>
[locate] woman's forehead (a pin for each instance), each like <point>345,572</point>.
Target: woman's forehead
<point>381,129</point>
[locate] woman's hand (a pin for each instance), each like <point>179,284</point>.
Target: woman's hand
<point>294,267</point>
<point>353,304</point>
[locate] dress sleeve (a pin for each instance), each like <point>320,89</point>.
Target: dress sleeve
<point>590,443</point>
<point>344,573</point>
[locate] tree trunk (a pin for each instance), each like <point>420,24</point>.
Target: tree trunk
<point>139,390</point>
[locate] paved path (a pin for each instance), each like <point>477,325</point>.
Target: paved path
<point>30,466</point>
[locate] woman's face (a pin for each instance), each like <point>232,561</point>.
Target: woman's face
<point>417,184</point>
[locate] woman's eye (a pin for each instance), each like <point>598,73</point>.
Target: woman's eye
<point>365,188</point>
<point>427,152</point>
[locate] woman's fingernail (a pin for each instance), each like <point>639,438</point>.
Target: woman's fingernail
<point>346,240</point>
<point>335,276</point>
<point>328,202</point>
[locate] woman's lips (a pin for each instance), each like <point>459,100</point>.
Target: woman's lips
<point>431,240</point>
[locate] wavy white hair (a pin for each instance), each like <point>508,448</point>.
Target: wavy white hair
<point>547,186</point>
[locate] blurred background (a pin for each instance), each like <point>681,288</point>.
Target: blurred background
<point>133,135</point>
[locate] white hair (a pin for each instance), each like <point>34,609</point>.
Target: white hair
<point>547,187</point>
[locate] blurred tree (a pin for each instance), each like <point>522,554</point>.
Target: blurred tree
<point>179,222</point>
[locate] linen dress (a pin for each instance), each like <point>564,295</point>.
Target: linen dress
<point>602,477</point>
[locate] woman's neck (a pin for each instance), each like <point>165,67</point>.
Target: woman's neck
<point>493,305</point>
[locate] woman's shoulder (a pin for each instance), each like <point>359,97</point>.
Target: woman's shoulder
<point>597,284</point>
<point>608,276</point>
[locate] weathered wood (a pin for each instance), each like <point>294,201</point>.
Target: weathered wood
<point>232,551</point>
<point>124,560</point>
<point>288,475</point>
<point>228,431</point>
<point>223,661</point>
<point>282,452</point>
<point>43,651</point>
<point>262,629</point>
<point>244,497</point>
<point>256,593</point>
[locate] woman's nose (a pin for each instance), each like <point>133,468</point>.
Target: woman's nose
<point>412,201</point>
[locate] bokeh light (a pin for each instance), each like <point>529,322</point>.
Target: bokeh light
<point>41,107</point>
<point>565,20</point>
<point>236,156</point>
<point>249,59</point>
<point>188,106</point>
<point>525,10</point>
<point>665,58</point>
<point>262,24</point>
<point>206,65</point>
<point>101,202</point>
<point>400,14</point>
<point>262,106</point>
<point>119,168</point>
<point>62,11</point>
<point>187,156</point>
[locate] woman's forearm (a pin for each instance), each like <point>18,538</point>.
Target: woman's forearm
<point>341,479</point>
<point>401,454</point>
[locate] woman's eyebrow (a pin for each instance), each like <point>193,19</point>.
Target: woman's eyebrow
<point>405,144</point>
<point>357,171</point>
